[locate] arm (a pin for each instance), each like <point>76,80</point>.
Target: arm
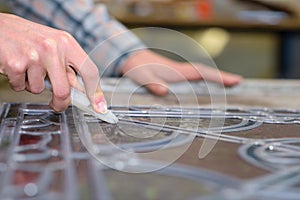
<point>155,72</point>
<point>116,50</point>
<point>30,52</point>
<point>106,40</point>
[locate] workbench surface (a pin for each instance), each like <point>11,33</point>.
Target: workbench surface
<point>256,144</point>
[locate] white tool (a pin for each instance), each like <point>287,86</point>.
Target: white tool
<point>81,101</point>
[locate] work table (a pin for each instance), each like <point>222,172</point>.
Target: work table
<point>50,158</point>
<point>272,93</point>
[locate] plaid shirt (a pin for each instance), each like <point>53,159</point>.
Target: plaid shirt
<point>106,40</point>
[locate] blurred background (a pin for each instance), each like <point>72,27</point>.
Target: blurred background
<point>254,38</point>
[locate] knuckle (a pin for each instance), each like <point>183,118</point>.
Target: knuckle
<point>49,45</point>
<point>33,55</point>
<point>61,93</point>
<point>17,66</point>
<point>65,37</point>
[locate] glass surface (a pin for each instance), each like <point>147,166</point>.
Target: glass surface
<point>153,186</point>
<point>42,156</point>
<point>124,133</point>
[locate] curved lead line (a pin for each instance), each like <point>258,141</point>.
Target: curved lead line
<point>206,134</point>
<point>277,161</point>
<point>262,115</point>
<point>267,155</point>
<point>171,139</point>
<point>279,153</point>
<point>282,147</point>
<point>172,113</point>
<point>191,110</point>
<point>276,180</point>
<point>291,148</point>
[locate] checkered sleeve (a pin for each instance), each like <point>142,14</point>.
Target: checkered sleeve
<point>106,40</point>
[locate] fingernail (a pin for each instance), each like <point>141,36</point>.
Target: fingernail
<point>101,105</point>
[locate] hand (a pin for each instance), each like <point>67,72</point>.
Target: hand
<point>29,52</point>
<point>155,72</point>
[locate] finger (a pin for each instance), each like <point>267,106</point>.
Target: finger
<point>158,87</point>
<point>74,83</point>
<point>56,72</point>
<point>145,77</point>
<point>155,84</point>
<point>87,69</point>
<point>17,82</point>
<point>35,79</point>
<point>215,75</point>
<point>16,73</point>
<point>230,79</point>
<point>90,77</point>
